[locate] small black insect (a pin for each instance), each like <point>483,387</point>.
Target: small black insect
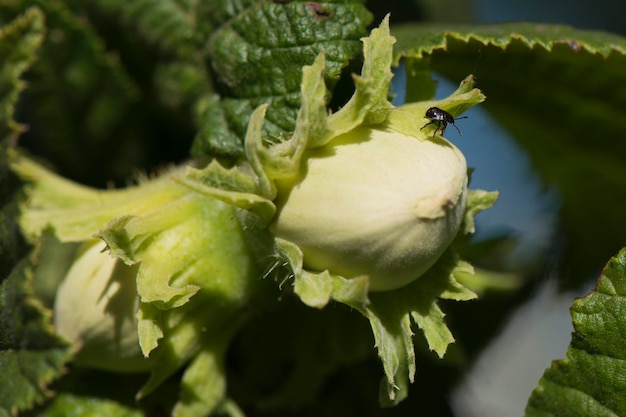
<point>441,118</point>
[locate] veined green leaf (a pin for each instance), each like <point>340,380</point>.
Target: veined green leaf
<point>257,51</point>
<point>18,44</point>
<point>19,41</point>
<point>590,381</point>
<point>31,355</point>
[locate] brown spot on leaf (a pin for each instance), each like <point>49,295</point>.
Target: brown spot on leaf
<point>320,12</point>
<point>575,45</point>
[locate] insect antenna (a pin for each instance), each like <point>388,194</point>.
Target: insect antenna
<point>455,126</point>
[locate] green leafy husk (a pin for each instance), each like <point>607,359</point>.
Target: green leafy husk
<point>252,186</point>
<point>191,263</point>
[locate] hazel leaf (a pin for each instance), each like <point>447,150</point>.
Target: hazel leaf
<point>31,354</point>
<point>257,51</point>
<point>590,380</point>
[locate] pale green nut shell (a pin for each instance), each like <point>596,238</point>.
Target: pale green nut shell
<point>95,310</point>
<point>375,203</point>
